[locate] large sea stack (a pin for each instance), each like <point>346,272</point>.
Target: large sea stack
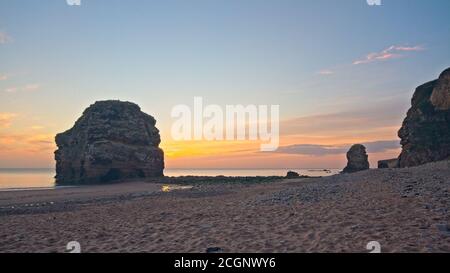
<point>112,140</point>
<point>425,134</point>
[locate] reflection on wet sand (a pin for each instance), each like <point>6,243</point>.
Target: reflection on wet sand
<point>169,188</point>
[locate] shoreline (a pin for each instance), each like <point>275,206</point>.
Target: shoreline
<point>28,179</point>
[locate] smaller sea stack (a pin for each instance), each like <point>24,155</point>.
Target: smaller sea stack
<point>357,159</point>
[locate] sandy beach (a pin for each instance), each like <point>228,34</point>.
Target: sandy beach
<point>405,210</point>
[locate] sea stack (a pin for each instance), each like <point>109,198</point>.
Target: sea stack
<point>357,159</point>
<point>425,133</point>
<point>112,140</point>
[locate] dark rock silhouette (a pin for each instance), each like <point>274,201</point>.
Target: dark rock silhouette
<point>425,133</point>
<point>388,163</point>
<point>112,140</point>
<point>357,159</point>
<point>292,174</point>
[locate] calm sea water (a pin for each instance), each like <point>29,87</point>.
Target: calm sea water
<point>11,179</point>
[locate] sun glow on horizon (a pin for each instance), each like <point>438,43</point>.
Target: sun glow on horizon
<point>28,145</point>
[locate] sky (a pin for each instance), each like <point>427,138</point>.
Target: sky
<point>343,72</point>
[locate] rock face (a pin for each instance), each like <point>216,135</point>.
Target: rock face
<point>440,97</point>
<point>388,163</point>
<point>425,134</point>
<point>357,159</point>
<point>112,140</point>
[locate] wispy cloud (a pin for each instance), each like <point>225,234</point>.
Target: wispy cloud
<point>5,38</point>
<point>31,87</point>
<point>345,123</point>
<point>27,142</point>
<point>391,52</point>
<point>324,150</point>
<point>11,90</point>
<point>37,127</point>
<point>6,119</point>
<point>26,88</point>
<point>326,72</point>
<point>3,77</point>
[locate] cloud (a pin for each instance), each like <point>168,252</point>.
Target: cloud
<point>27,142</point>
<point>391,52</point>
<point>345,123</point>
<point>325,72</point>
<point>37,127</point>
<point>324,150</point>
<point>31,87</point>
<point>6,119</point>
<point>26,88</point>
<point>382,146</point>
<point>5,38</point>
<point>311,149</point>
<point>11,90</point>
<point>3,77</point>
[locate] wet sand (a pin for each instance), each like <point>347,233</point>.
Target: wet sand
<point>405,210</point>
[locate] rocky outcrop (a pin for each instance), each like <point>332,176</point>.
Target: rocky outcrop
<point>425,133</point>
<point>292,174</point>
<point>357,159</point>
<point>112,140</point>
<point>440,98</point>
<point>388,163</point>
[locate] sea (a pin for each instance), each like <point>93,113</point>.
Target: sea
<point>37,179</point>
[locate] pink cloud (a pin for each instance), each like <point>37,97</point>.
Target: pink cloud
<point>391,52</point>
<point>406,48</point>
<point>4,38</point>
<point>11,90</point>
